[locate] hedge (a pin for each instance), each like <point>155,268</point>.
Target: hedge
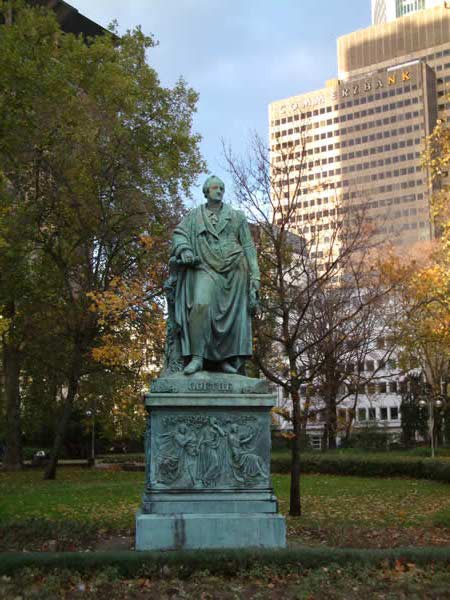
<point>368,467</point>
<point>216,562</point>
<point>362,466</point>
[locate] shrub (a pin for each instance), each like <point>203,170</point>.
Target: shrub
<point>372,437</point>
<point>28,452</point>
<point>367,466</point>
<point>282,440</point>
<point>122,458</point>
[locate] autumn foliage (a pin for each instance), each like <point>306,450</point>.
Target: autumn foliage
<point>423,278</point>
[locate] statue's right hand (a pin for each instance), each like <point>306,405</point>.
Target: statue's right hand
<point>187,257</point>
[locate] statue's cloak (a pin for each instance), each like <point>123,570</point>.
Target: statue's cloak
<point>226,256</point>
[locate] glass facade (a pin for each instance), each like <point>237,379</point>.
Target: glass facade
<point>359,139</point>
<point>384,11</point>
<point>362,145</point>
<point>405,7</point>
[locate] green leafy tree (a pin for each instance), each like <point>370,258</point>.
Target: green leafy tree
<point>96,157</point>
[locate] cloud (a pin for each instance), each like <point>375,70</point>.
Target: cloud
<point>240,55</point>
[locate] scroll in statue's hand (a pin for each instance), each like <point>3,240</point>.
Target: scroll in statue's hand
<point>186,257</point>
<point>253,299</point>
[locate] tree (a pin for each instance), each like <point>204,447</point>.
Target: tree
<point>342,329</point>
<point>423,325</point>
<point>131,318</point>
<point>436,160</point>
<point>423,278</point>
<point>433,283</point>
<point>305,279</point>
<point>96,157</point>
<point>413,418</point>
<point>18,286</point>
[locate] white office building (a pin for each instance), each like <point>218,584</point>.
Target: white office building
<point>384,11</point>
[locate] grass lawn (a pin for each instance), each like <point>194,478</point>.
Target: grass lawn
<point>88,509</point>
<point>331,583</point>
<point>83,507</point>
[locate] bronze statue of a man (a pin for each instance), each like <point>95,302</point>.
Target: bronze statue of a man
<point>212,289</point>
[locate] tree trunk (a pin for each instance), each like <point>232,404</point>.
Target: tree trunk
<point>332,423</point>
<point>295,507</point>
<point>50,472</point>
<point>324,445</point>
<point>351,420</point>
<point>348,429</point>
<point>12,460</point>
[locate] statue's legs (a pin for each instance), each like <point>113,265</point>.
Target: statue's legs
<point>200,320</point>
<point>227,367</point>
<point>196,364</point>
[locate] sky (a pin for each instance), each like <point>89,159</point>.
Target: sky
<point>239,55</point>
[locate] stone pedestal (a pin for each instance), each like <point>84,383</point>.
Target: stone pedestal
<point>208,465</point>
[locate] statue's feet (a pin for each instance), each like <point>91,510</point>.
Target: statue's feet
<point>195,365</point>
<point>227,367</point>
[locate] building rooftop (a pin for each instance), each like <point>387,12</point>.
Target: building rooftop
<point>70,20</point>
<point>388,42</point>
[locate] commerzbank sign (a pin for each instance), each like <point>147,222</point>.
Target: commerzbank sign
<point>346,90</point>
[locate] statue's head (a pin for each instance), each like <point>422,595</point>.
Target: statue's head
<point>214,189</point>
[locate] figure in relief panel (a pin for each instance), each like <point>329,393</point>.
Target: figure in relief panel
<point>211,453</point>
<point>177,450</point>
<point>246,465</point>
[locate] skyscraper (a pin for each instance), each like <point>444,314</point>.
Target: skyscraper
<point>364,131</point>
<point>384,11</point>
<point>358,142</point>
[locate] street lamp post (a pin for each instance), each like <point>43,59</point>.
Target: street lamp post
<point>91,415</point>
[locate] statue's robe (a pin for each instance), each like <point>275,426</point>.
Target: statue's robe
<point>212,297</point>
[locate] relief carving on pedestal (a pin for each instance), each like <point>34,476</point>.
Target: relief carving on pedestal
<point>200,451</point>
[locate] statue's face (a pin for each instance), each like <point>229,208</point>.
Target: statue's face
<point>216,190</point>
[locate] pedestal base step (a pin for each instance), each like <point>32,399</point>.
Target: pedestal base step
<point>202,531</point>
<point>254,502</point>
